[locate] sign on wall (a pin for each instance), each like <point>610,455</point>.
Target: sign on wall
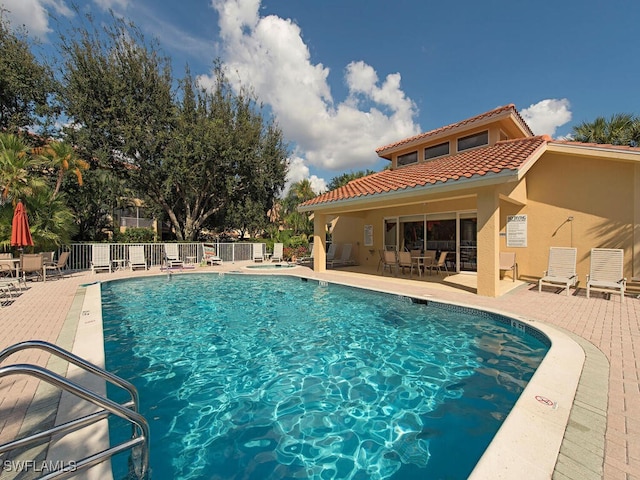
<point>516,230</point>
<point>368,235</point>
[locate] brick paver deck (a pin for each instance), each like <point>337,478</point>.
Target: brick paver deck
<point>611,326</point>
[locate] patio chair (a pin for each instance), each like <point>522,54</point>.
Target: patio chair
<point>100,257</point>
<point>606,271</point>
<point>405,261</point>
<point>56,268</point>
<point>137,258</point>
<point>345,258</point>
<point>258,252</point>
<point>439,264</point>
<point>390,261</point>
<point>561,270</point>
<point>210,256</point>
<point>31,264</point>
<point>278,249</point>
<point>172,255</point>
<point>508,262</point>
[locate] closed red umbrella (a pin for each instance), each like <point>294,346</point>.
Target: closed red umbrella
<point>20,233</point>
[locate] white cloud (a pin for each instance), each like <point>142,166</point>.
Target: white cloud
<point>547,115</point>
<point>269,55</point>
<point>34,15</point>
<point>112,4</point>
<point>299,171</point>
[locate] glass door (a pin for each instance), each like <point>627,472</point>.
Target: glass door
<point>468,243</point>
<point>391,233</point>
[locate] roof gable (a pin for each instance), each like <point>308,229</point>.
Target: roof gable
<point>508,155</point>
<point>507,111</point>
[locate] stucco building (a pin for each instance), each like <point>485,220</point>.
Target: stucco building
<point>487,185</point>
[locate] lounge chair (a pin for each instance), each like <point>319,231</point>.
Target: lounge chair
<point>508,262</point>
<point>100,257</point>
<point>390,261</point>
<point>56,268</point>
<point>210,256</point>
<point>33,264</point>
<point>307,260</point>
<point>345,258</point>
<point>561,270</point>
<point>278,252</point>
<point>439,264</point>
<point>258,252</point>
<point>331,252</point>
<point>137,258</point>
<point>172,255</point>
<point>606,271</point>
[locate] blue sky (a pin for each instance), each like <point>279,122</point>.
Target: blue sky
<point>344,77</point>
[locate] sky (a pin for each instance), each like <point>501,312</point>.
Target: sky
<point>344,77</point>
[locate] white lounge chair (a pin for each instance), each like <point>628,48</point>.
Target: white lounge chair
<point>136,257</point>
<point>345,257</point>
<point>258,252</point>
<point>561,270</point>
<point>331,252</point>
<point>100,257</point>
<point>278,252</point>
<point>606,271</point>
<point>172,255</point>
<point>210,256</point>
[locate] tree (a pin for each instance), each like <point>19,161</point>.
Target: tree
<point>62,158</point>
<point>300,222</point>
<point>191,154</point>
<point>341,180</point>
<point>17,169</point>
<point>25,85</point>
<point>620,129</point>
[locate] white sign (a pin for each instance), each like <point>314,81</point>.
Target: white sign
<point>368,235</point>
<point>516,230</point>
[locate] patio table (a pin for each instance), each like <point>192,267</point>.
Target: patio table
<point>422,262</point>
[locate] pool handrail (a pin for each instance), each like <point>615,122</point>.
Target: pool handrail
<point>133,404</point>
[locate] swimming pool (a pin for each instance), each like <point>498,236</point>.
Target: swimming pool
<point>281,378</point>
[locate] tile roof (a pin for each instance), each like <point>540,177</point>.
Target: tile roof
<point>608,146</point>
<point>478,162</point>
<point>493,113</point>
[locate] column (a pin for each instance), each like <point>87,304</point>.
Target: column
<point>488,242</point>
<point>319,242</point>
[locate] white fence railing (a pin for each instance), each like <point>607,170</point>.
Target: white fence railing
<point>80,257</point>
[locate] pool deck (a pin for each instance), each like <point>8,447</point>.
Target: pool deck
<point>602,439</point>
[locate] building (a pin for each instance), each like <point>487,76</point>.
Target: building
<point>487,185</point>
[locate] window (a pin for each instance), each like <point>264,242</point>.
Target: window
<point>475,140</point>
<point>407,158</point>
<point>436,151</point>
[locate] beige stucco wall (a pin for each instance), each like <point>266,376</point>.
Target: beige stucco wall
<point>598,194</point>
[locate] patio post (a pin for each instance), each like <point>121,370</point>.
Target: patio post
<point>488,242</point>
<point>319,242</point>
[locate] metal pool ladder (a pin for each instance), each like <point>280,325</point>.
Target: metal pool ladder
<point>129,410</point>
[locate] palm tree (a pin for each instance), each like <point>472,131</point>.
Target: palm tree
<point>63,158</point>
<point>620,129</point>
<point>17,166</point>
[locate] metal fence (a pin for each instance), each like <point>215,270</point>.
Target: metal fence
<point>81,253</point>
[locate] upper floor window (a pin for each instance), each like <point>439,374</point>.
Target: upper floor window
<point>407,158</point>
<point>475,140</point>
<point>436,151</point>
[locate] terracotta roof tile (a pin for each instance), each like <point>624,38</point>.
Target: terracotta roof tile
<point>505,155</point>
<point>624,148</point>
<point>492,113</point>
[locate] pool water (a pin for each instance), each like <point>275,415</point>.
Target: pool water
<point>252,377</point>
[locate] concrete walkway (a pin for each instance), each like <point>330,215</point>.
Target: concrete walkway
<point>600,325</point>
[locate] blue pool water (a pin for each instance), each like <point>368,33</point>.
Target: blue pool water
<point>252,377</point>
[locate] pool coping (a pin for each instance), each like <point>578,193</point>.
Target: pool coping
<point>532,437</point>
